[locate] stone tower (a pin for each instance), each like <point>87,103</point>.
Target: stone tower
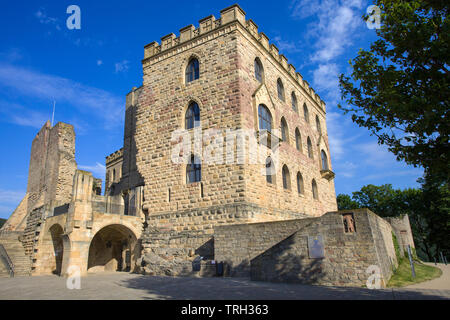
<point>229,94</point>
<point>51,171</point>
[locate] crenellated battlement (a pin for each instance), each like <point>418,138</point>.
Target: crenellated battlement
<point>114,156</point>
<point>229,15</point>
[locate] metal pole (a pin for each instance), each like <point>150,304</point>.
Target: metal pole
<point>411,262</point>
<point>442,257</point>
<point>53,114</point>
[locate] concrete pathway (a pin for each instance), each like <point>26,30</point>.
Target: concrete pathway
<point>120,286</point>
<point>442,283</point>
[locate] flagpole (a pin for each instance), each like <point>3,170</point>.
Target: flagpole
<point>53,114</point>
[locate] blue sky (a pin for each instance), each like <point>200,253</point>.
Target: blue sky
<point>89,71</point>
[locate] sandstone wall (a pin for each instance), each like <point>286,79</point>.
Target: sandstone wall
<point>402,229</point>
<point>278,251</point>
<point>255,93</point>
<point>162,105</point>
<point>227,94</point>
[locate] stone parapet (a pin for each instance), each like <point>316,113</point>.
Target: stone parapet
<point>232,14</point>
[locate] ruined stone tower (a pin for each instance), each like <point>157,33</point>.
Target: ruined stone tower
<point>51,171</point>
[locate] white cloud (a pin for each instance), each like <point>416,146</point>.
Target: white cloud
<point>326,78</point>
<point>338,134</point>
<point>346,169</point>
<point>287,46</point>
<point>30,119</point>
<point>376,155</point>
<point>99,62</point>
<point>22,116</point>
<point>122,66</point>
<point>413,173</point>
<point>11,197</point>
<point>334,26</point>
<point>336,30</point>
<point>98,170</point>
<point>9,200</point>
<point>86,99</point>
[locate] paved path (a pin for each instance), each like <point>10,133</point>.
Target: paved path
<point>121,286</point>
<point>442,283</point>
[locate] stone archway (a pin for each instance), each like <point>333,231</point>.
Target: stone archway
<point>52,249</point>
<point>113,248</point>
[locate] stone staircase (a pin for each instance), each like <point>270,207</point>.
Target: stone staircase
<point>16,253</point>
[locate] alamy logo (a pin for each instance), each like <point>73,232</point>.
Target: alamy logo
<point>374,281</point>
<point>74,278</point>
<point>74,20</point>
<point>374,19</point>
<point>226,146</point>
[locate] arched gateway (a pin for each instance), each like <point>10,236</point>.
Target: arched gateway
<point>113,248</point>
<point>54,245</point>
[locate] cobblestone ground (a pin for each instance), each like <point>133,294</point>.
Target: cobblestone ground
<point>120,286</point>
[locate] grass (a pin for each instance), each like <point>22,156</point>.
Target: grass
<point>402,276</point>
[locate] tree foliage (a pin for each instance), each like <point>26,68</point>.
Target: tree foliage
<point>399,89</point>
<point>428,209</point>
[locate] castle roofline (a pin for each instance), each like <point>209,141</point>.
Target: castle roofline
<point>229,15</point>
<point>114,156</point>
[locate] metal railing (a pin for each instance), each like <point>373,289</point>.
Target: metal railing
<point>6,260</point>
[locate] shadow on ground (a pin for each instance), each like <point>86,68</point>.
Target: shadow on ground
<point>245,289</point>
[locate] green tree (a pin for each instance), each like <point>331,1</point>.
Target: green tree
<point>345,202</point>
<point>436,214</point>
<point>380,200</point>
<point>428,209</point>
<point>399,89</point>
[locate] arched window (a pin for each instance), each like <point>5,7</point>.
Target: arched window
<point>306,112</point>
<point>265,118</point>
<point>192,118</point>
<point>324,160</point>
<point>259,71</point>
<point>298,140</point>
<point>300,186</point>
<point>284,130</point>
<point>192,70</point>
<point>286,178</point>
<point>314,190</point>
<point>294,102</point>
<point>310,150</point>
<point>318,124</point>
<point>280,88</point>
<point>269,170</point>
<point>114,175</point>
<point>193,170</point>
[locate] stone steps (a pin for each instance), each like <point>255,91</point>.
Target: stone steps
<point>16,252</point>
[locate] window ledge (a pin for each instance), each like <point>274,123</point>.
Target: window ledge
<point>327,174</point>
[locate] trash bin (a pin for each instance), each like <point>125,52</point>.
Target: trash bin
<point>219,269</point>
<point>197,264</point>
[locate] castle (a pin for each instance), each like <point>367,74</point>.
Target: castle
<point>225,158</point>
